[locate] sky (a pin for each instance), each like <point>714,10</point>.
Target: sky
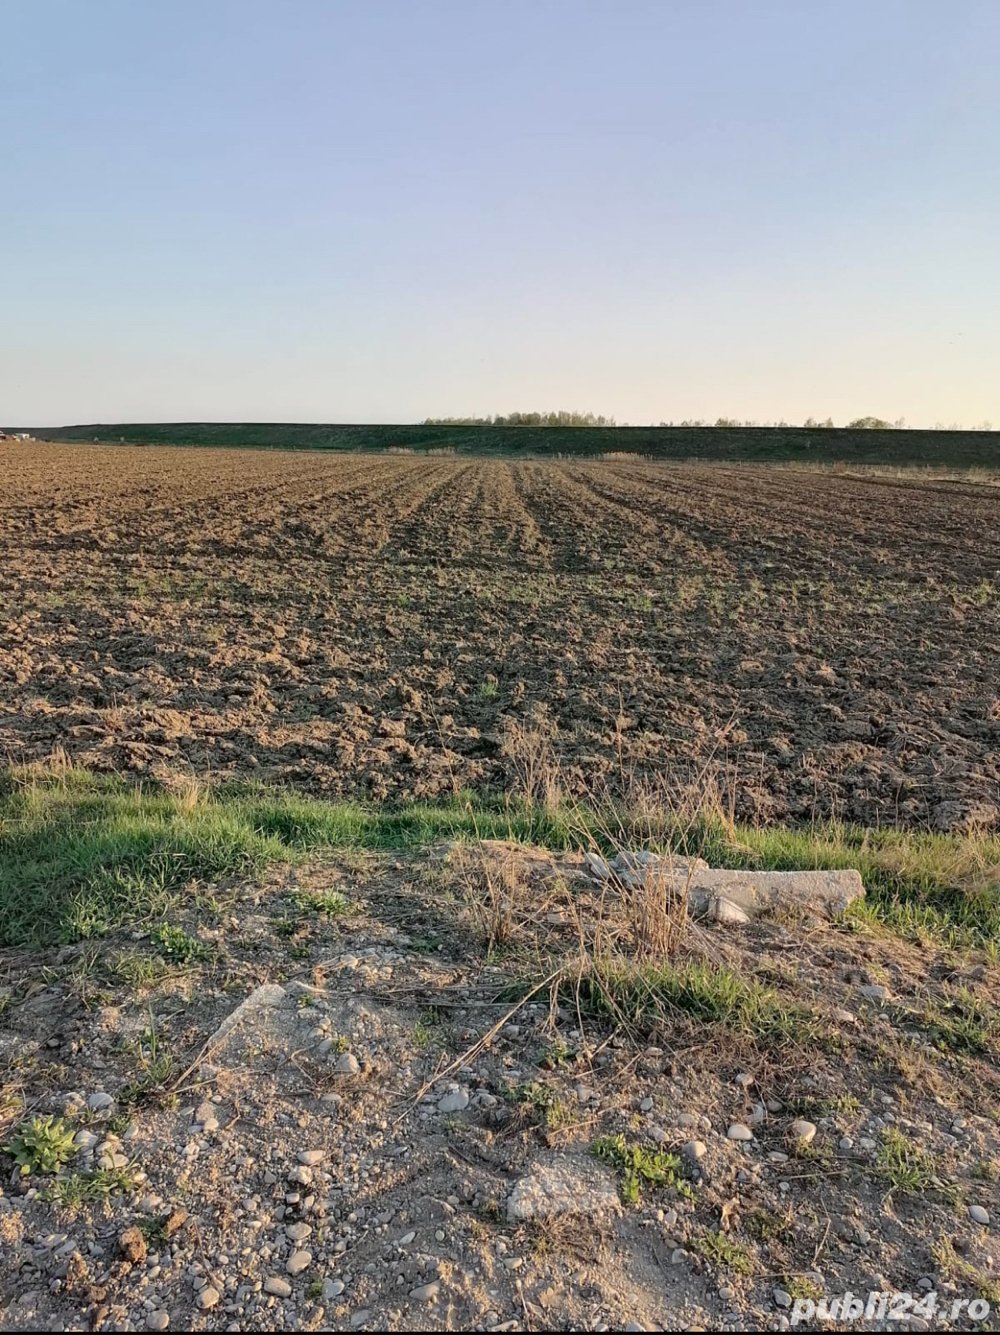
<point>383,210</point>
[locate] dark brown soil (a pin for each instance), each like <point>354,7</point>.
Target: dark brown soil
<point>372,625</point>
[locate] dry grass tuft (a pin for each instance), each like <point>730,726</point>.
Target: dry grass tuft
<point>528,747</point>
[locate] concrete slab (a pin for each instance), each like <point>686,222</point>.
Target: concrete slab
<point>563,1185</point>
<point>826,893</point>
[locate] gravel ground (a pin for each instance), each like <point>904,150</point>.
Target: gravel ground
<point>339,1122</point>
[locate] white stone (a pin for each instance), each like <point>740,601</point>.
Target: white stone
<point>99,1102</point>
<point>207,1117</point>
<point>209,1297</point>
<point>978,1215</point>
<point>739,1132</point>
<point>802,1132</point>
<point>563,1185</point>
<point>455,1101</point>
<point>426,1293</point>
<point>298,1261</point>
<point>278,1288</point>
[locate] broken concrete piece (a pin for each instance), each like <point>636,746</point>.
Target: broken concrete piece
<point>827,893</point>
<point>257,1018</point>
<point>724,910</point>
<point>598,865</point>
<point>566,1185</point>
<point>635,868</point>
<point>267,997</point>
<point>730,896</point>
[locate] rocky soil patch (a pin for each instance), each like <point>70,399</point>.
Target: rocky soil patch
<point>386,1118</point>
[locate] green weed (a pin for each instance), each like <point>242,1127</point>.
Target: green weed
<point>903,1166</point>
<point>42,1145</point>
<point>720,1250</point>
<point>639,1167</point>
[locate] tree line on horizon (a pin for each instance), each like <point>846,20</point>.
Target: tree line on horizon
<point>564,418</point>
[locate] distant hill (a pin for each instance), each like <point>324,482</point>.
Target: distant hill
<point>820,444</point>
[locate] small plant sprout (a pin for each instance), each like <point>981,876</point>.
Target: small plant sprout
<point>42,1146</point>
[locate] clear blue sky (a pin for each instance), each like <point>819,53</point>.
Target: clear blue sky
<point>361,210</point>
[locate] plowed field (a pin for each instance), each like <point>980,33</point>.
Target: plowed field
<point>373,624</point>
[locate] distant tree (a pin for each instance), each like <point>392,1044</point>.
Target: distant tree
<point>869,424</point>
<point>556,418</point>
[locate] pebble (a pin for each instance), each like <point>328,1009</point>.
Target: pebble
<point>332,1288</point>
<point>695,1150</point>
<point>298,1232</point>
<point>347,1064</point>
<point>802,1132</point>
<point>426,1293</point>
<point>978,1215</point>
<point>360,1318</point>
<point>280,1288</point>
<point>739,1132</point>
<point>875,992</point>
<point>99,1102</point>
<point>209,1297</point>
<point>298,1261</point>
<point>454,1102</point>
<point>158,1321</point>
<point>311,1157</point>
<point>782,1298</point>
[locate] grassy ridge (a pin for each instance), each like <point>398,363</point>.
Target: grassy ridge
<point>83,854</point>
<point>822,445</point>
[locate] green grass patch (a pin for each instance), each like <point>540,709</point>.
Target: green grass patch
<point>83,854</point>
<point>645,995</point>
<point>903,1166</point>
<point>79,1189</point>
<point>174,944</point>
<point>639,1167</point>
<point>721,1251</point>
<point>959,1022</point>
